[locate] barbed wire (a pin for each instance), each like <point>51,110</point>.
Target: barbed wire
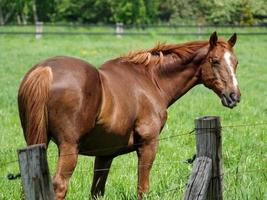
<point>136,144</point>
<point>99,150</point>
<point>263,170</point>
<point>177,135</point>
<point>154,194</point>
<point>133,165</point>
<point>245,125</point>
<point>124,146</point>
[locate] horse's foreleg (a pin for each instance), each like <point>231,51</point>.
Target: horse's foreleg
<point>101,170</point>
<point>68,155</point>
<point>146,155</point>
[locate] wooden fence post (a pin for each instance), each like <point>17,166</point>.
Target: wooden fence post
<point>209,149</point>
<point>119,29</point>
<point>199,180</point>
<point>35,173</point>
<point>38,30</point>
<point>208,138</point>
<point>199,31</point>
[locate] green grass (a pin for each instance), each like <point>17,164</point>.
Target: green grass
<point>243,147</point>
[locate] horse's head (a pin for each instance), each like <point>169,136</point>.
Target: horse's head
<point>218,70</point>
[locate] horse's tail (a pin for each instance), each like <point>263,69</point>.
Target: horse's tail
<point>32,100</point>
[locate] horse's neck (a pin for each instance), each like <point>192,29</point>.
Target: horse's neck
<point>176,82</point>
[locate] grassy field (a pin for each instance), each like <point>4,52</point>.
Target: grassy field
<point>244,147</point>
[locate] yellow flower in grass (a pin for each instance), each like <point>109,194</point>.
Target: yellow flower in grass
<point>83,52</point>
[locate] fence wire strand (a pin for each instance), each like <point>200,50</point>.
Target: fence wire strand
<point>136,144</point>
<point>237,173</point>
<point>178,135</point>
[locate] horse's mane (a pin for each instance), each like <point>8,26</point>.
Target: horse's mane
<point>164,53</point>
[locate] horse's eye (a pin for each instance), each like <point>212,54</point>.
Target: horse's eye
<point>215,62</point>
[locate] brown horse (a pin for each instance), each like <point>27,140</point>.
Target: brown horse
<point>121,107</point>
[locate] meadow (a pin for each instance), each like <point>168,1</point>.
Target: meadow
<point>244,147</point>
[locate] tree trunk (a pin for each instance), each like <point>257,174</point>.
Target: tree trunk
<point>18,19</point>
<point>2,22</point>
<point>35,16</point>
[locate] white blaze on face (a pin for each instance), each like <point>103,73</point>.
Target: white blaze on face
<point>229,64</point>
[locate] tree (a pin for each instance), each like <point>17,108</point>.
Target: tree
<point>152,8</point>
<point>45,10</point>
<point>134,11</point>
<point>129,12</point>
<point>7,10</point>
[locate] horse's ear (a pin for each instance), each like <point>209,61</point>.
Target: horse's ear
<point>213,39</point>
<point>232,40</point>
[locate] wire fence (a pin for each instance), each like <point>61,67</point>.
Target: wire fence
<point>142,26</point>
<point>188,133</point>
<point>237,172</point>
<point>130,30</point>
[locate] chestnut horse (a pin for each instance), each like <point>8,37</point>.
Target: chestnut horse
<point>120,107</point>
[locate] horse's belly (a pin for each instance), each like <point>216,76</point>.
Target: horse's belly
<point>100,142</point>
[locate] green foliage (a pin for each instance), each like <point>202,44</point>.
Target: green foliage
<point>135,11</point>
<point>108,11</point>
<point>183,11</point>
<point>7,10</point>
<point>129,12</point>
<point>231,12</point>
<point>45,10</point>
<point>151,10</point>
<point>216,11</point>
<point>90,11</point>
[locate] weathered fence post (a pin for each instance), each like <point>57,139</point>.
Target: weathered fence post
<point>38,30</point>
<point>206,180</point>
<point>208,139</point>
<point>199,31</point>
<point>199,179</point>
<point>119,29</point>
<point>35,173</point>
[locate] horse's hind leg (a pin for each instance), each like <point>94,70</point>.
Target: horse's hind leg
<point>101,170</point>
<point>67,161</point>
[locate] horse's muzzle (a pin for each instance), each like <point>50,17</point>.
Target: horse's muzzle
<point>230,99</point>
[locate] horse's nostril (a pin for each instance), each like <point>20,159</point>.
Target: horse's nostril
<point>233,96</point>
